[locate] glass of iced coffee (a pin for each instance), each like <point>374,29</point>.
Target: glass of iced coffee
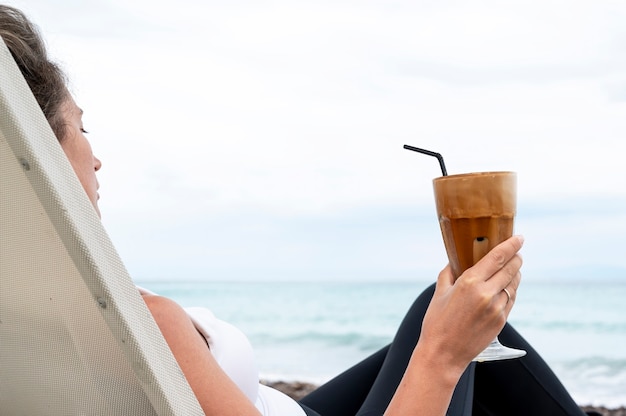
<point>476,213</point>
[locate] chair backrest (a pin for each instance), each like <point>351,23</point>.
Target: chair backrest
<point>75,336</point>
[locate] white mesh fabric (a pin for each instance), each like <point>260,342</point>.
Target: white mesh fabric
<point>75,336</point>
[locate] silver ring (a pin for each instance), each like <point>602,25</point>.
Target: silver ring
<point>508,296</point>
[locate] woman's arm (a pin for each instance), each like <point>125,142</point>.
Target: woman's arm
<point>216,392</point>
<point>462,319</point>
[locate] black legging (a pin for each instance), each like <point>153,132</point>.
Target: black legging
<point>523,386</point>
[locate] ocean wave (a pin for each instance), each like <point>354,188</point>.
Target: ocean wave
<point>595,380</point>
<point>362,341</point>
<point>597,327</point>
<point>595,366</point>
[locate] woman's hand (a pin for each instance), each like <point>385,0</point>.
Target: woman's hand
<point>463,317</point>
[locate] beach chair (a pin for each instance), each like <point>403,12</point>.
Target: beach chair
<point>75,336</point>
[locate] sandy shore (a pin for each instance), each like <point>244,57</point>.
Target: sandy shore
<point>296,390</point>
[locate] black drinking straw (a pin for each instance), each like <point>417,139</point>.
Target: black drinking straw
<point>429,153</point>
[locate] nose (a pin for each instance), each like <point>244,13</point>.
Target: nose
<point>96,164</point>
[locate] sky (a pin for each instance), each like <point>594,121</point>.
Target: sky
<point>252,140</point>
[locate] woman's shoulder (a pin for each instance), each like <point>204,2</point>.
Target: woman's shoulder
<point>163,309</point>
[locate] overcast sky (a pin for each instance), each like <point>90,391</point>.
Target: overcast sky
<point>263,140</point>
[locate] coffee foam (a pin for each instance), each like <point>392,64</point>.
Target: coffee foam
<point>471,195</point>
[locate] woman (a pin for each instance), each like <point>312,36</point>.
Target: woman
<point>426,370</point>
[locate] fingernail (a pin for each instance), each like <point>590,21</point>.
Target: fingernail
<point>520,238</point>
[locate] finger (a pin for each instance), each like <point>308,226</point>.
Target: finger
<point>512,293</point>
<point>507,301</point>
<point>515,281</point>
<point>498,258</point>
<point>508,295</point>
<point>505,276</point>
<point>445,279</point>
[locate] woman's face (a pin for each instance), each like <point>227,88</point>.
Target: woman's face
<point>78,151</point>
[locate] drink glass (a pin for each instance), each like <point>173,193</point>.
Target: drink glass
<point>476,213</point>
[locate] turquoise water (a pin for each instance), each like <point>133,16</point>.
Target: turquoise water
<point>311,331</point>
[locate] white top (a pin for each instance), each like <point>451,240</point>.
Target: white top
<point>233,352</point>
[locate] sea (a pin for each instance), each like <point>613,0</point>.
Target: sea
<point>311,331</point>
